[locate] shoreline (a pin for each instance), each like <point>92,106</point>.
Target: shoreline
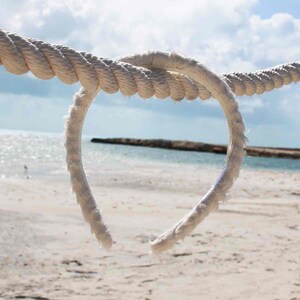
<point>291,153</point>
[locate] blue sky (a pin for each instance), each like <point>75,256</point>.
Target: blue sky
<point>238,35</point>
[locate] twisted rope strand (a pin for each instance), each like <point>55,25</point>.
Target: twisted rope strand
<point>73,132</point>
<point>19,55</point>
<point>150,74</point>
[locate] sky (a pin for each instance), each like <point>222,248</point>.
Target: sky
<point>226,36</point>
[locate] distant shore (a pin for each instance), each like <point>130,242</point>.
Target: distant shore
<point>292,153</point>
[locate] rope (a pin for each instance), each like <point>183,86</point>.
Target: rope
<point>19,55</point>
<point>152,74</point>
<point>209,202</point>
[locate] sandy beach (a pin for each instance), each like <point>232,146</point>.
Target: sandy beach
<point>150,96</point>
<point>249,249</point>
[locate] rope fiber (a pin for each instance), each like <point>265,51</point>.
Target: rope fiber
<point>151,74</point>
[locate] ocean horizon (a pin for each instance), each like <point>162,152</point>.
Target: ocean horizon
<point>42,154</point>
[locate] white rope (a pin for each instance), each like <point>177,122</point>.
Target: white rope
<point>19,55</point>
<point>152,74</point>
<point>221,92</point>
<point>73,132</point>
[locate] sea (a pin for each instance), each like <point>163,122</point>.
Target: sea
<point>43,154</point>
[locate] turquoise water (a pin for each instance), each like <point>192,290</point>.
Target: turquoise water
<point>45,154</point>
<point>189,157</point>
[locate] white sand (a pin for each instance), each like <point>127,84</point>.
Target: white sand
<point>250,249</point>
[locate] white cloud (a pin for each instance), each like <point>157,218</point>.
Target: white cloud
<point>225,35</point>
<point>275,40</point>
<point>290,105</point>
<point>251,104</point>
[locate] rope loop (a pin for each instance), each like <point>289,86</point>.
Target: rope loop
<point>151,74</point>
